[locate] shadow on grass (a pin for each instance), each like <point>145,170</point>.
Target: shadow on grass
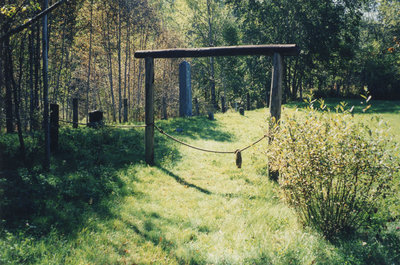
<point>89,172</point>
<point>377,106</point>
<point>184,182</point>
<point>198,127</point>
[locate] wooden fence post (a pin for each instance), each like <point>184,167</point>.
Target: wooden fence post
<point>241,111</point>
<point>125,110</point>
<point>248,100</point>
<point>149,108</point>
<point>276,87</point>
<point>276,99</point>
<point>75,113</point>
<point>164,108</point>
<point>223,104</point>
<point>196,107</point>
<point>54,125</point>
<point>95,119</point>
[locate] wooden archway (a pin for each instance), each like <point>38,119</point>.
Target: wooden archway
<point>275,50</point>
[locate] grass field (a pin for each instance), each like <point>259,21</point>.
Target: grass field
<point>190,208</point>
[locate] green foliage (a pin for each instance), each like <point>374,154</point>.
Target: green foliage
<point>190,208</point>
<point>334,171</point>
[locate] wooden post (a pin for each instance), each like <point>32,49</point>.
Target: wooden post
<point>125,110</point>
<point>54,125</point>
<point>164,108</point>
<point>276,87</point>
<point>196,107</point>
<point>248,100</point>
<point>223,104</point>
<point>149,108</point>
<point>75,113</point>
<point>95,119</point>
<point>241,111</point>
<point>276,99</point>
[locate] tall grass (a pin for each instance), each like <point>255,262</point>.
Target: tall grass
<point>190,208</point>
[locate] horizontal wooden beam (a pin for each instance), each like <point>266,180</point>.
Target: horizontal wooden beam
<point>31,20</point>
<point>267,50</point>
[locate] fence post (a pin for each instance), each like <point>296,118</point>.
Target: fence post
<point>95,119</point>
<point>196,107</point>
<point>276,99</point>
<point>223,104</point>
<point>125,110</point>
<point>241,111</point>
<point>54,125</point>
<point>75,113</point>
<point>164,108</point>
<point>149,108</point>
<point>248,100</point>
<point>276,87</point>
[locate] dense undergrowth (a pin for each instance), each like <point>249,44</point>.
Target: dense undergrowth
<point>334,170</point>
<point>100,203</point>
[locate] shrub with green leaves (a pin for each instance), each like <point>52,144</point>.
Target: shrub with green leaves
<point>334,171</point>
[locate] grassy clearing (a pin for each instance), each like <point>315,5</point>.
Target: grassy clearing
<point>191,208</point>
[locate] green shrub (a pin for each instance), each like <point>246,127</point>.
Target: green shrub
<point>334,171</point>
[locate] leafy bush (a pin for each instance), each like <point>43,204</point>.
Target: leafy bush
<point>334,171</point>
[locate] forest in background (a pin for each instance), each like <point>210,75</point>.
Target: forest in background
<point>346,45</point>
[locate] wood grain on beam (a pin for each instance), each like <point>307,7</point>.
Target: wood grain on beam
<point>267,50</point>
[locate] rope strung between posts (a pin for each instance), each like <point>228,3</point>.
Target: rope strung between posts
<point>238,152</point>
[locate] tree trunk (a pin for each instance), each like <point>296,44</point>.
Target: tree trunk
<point>56,89</point>
<point>16,91</point>
<point>90,60</point>
<point>35,125</point>
<point>119,64</point>
<point>212,68</point>
<point>46,124</point>
<point>31,105</point>
<point>110,73</point>
<point>8,85</point>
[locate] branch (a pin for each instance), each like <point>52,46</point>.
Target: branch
<point>31,21</point>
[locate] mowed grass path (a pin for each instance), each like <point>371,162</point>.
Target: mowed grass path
<point>199,208</point>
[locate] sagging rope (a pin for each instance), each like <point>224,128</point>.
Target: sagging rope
<point>237,152</point>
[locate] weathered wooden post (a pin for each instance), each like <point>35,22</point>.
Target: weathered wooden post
<point>125,110</point>
<point>185,90</point>
<point>276,87</point>
<point>75,113</point>
<point>223,104</point>
<point>149,108</point>
<point>164,108</point>
<point>276,99</point>
<point>95,119</point>
<point>54,125</point>
<point>248,100</point>
<point>196,107</point>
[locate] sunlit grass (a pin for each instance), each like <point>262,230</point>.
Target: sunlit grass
<point>192,208</point>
